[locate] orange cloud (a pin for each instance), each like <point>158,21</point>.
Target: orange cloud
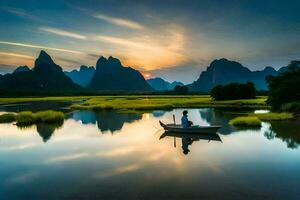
<point>149,52</point>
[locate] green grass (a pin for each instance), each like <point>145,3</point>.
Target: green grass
<point>144,101</point>
<point>274,116</point>
<point>256,119</point>
<point>163,102</point>
<point>248,121</point>
<point>28,118</point>
<point>8,118</point>
<point>35,99</point>
<point>25,118</point>
<point>49,116</point>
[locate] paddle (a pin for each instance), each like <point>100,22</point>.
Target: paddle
<point>174,142</point>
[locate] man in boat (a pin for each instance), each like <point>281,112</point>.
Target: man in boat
<point>185,123</point>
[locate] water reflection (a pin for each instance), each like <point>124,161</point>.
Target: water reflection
<point>44,130</point>
<point>106,120</point>
<point>287,131</point>
<point>133,160</point>
<point>219,117</point>
<point>189,139</point>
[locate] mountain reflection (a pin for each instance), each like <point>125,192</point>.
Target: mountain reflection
<point>47,130</point>
<point>44,130</point>
<point>106,120</point>
<point>188,139</point>
<point>220,117</point>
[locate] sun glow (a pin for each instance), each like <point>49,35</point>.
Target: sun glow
<point>146,76</point>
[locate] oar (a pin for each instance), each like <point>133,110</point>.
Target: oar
<point>174,142</point>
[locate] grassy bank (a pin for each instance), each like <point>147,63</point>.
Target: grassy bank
<point>256,119</point>
<point>28,118</point>
<point>143,102</point>
<point>247,121</point>
<point>41,99</point>
<point>163,102</point>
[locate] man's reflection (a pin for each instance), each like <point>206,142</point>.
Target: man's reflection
<point>188,139</point>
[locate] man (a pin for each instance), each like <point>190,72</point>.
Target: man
<point>185,123</point>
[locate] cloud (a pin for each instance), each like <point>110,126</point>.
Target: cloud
<point>40,47</point>
<point>16,55</point>
<point>19,147</point>
<point>66,158</point>
<point>62,33</point>
<point>21,13</point>
<point>149,52</point>
<point>9,61</point>
<point>4,68</point>
<point>120,22</point>
<point>191,70</point>
<point>23,178</point>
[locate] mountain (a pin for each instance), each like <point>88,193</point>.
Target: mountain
<point>224,71</point>
<point>160,84</point>
<point>110,75</point>
<point>83,76</point>
<point>22,69</point>
<point>46,76</point>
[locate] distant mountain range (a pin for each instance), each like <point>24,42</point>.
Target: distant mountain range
<point>83,76</point>
<point>160,84</point>
<point>111,75</point>
<point>45,76</point>
<point>224,71</point>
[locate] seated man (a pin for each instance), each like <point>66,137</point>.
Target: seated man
<point>185,123</point>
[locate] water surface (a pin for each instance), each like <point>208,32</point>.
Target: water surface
<point>101,155</point>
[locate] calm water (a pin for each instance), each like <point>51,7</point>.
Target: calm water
<point>109,155</point>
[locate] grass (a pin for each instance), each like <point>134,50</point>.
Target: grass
<point>143,102</point>
<point>28,118</point>
<point>8,118</point>
<point>25,118</point>
<point>35,99</point>
<point>255,119</point>
<point>248,121</point>
<point>49,116</point>
<point>274,116</point>
<point>164,102</point>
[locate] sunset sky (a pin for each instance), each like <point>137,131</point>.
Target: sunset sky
<point>173,39</point>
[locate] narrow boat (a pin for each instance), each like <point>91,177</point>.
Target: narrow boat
<point>177,128</point>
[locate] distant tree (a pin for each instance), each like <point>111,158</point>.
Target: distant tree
<point>233,91</point>
<point>181,89</point>
<point>285,88</point>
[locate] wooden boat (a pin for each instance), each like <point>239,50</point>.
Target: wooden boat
<point>176,128</point>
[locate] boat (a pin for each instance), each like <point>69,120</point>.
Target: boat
<point>177,128</point>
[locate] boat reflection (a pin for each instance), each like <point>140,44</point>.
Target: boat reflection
<point>189,139</point>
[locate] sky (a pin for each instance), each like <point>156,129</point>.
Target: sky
<point>172,39</point>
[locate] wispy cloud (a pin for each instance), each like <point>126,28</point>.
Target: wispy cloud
<point>16,55</point>
<point>150,52</point>
<point>120,22</point>
<point>62,33</point>
<point>40,47</point>
<point>66,158</point>
<point>21,13</point>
